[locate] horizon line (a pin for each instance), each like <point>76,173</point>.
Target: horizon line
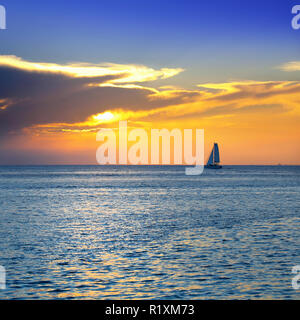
<point>143,165</point>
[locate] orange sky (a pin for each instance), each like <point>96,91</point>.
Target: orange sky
<point>254,122</point>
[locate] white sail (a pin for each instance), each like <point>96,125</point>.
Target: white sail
<point>216,153</point>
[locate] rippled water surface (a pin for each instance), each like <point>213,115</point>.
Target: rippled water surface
<point>149,232</point>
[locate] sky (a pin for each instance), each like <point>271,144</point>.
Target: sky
<point>70,68</point>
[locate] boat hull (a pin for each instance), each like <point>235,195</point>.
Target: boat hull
<point>213,166</point>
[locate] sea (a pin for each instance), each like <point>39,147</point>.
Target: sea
<point>149,232</point>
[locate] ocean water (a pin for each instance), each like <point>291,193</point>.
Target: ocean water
<point>94,232</point>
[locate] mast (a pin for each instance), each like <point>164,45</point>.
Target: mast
<point>214,158</point>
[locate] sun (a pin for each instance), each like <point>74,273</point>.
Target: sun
<point>103,117</point>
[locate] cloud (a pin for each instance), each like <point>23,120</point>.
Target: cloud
<point>120,73</point>
<point>290,66</point>
<point>234,109</point>
<point>236,99</point>
<point>50,115</point>
<point>41,93</point>
<point>47,97</point>
<point>211,100</point>
<point>232,91</point>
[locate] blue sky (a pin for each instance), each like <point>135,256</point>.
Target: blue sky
<point>212,40</point>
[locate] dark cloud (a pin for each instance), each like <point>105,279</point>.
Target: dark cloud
<point>44,98</point>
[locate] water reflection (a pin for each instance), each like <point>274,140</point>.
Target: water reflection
<point>132,233</point>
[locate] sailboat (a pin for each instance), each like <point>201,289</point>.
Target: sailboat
<point>214,158</point>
